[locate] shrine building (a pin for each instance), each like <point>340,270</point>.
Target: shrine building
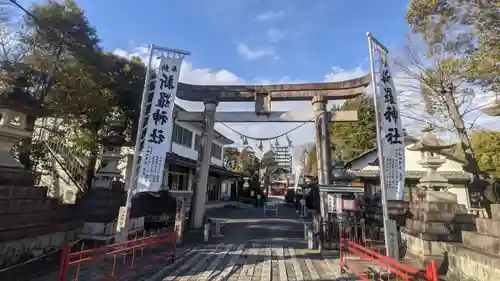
<point>366,168</point>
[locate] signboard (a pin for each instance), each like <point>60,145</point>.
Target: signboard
<point>391,135</point>
<point>122,219</point>
<point>393,244</point>
<point>158,133</point>
<point>341,189</point>
<point>334,203</point>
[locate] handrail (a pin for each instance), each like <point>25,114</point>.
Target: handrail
<point>391,265</point>
<point>134,247</point>
<point>71,175</point>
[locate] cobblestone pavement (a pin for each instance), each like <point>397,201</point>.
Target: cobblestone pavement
<point>254,247</point>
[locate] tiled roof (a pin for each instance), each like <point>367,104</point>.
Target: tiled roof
<point>410,140</point>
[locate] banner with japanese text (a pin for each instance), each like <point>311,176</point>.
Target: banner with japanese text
<point>391,132</point>
<point>158,133</point>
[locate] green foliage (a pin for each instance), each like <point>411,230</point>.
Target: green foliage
<point>486,145</point>
<point>468,29</point>
<point>64,68</point>
<point>462,39</point>
<point>353,138</point>
<point>231,156</point>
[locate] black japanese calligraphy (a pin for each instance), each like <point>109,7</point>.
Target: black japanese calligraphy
<point>163,101</point>
<point>391,114</point>
<point>386,78</point>
<point>174,68</point>
<point>156,136</point>
<point>166,81</point>
<point>165,68</point>
<point>393,136</point>
<point>389,97</point>
<point>160,117</point>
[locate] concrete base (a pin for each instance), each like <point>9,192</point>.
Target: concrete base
<point>439,228</point>
<point>422,250</point>
<point>482,242</point>
<point>490,227</point>
<point>106,231</point>
<point>471,265</point>
<point>35,246</point>
<point>495,211</point>
<point>437,196</point>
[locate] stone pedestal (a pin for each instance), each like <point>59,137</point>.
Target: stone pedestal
<point>182,198</point>
<point>478,259</point>
<point>102,202</point>
<point>436,218</point>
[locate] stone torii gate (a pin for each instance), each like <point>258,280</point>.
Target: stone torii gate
<point>318,93</point>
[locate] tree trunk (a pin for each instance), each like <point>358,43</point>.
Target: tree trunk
<point>25,145</point>
<point>92,161</point>
<point>480,181</point>
<point>459,125</point>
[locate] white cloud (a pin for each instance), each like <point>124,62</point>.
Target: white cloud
<point>270,16</point>
<point>276,35</point>
<point>339,74</point>
<point>251,54</point>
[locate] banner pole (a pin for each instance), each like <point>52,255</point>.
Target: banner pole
<point>124,213</point>
<point>385,210</point>
<point>140,128</point>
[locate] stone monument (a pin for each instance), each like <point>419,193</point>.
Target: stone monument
<point>30,222</point>
<point>15,104</point>
<point>436,216</point>
<point>103,200</point>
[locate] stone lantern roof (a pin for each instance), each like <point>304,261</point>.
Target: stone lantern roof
<point>430,145</point>
<point>339,171</point>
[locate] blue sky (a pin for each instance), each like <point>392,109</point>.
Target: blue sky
<point>256,41</point>
<point>249,41</point>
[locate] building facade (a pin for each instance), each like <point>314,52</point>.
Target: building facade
<point>283,157</point>
<point>366,168</point>
<point>66,170</point>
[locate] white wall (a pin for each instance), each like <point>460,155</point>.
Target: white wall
<point>190,152</point>
<point>411,164</point>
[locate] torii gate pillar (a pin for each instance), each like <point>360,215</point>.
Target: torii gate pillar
<point>203,165</point>
<point>323,151</point>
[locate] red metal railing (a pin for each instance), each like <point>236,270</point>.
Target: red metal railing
<point>118,259</point>
<point>370,265</point>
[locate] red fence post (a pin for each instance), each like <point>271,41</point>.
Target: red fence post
<point>66,250</point>
<point>435,276</point>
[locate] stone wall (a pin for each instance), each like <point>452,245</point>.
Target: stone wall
<point>478,258</point>
<point>32,224</point>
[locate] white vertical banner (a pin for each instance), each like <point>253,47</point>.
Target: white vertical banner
<point>158,134</point>
<point>391,135</point>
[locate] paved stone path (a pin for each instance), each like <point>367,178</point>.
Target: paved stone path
<point>254,247</point>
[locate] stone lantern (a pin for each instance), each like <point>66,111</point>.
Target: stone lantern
<point>430,147</point>
<point>111,155</point>
<point>436,216</point>
<point>15,104</point>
